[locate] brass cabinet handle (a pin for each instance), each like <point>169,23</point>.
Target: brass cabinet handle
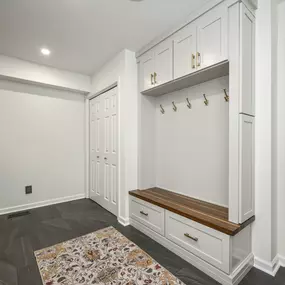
<point>151,79</point>
<point>155,74</point>
<point>143,213</point>
<point>193,61</point>
<point>193,238</point>
<point>198,60</point>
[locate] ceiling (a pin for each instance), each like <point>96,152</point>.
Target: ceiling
<point>84,34</point>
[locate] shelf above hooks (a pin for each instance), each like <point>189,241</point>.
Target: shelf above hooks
<point>195,78</point>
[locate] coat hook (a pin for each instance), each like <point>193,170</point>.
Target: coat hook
<point>161,109</point>
<point>188,103</point>
<point>174,107</point>
<point>227,97</point>
<point>206,101</point>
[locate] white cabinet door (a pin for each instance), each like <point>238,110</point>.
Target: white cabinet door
<point>184,49</point>
<point>163,71</point>
<point>212,37</point>
<point>147,70</point>
<point>103,150</point>
<point>246,183</point>
<point>247,58</point>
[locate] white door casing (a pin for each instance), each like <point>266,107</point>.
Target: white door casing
<point>103,150</point>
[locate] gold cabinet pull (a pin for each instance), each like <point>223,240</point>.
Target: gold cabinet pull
<point>198,60</point>
<point>151,79</point>
<point>193,61</point>
<point>143,213</point>
<point>155,74</point>
<point>193,238</point>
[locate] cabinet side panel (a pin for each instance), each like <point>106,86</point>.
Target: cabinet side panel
<point>241,247</point>
<point>234,113</point>
<point>146,129</point>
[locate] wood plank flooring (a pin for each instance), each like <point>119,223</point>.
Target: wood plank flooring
<point>46,226</point>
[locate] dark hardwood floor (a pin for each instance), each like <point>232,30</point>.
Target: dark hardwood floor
<point>46,226</point>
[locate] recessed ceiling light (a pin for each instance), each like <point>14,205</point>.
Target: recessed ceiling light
<point>45,51</point>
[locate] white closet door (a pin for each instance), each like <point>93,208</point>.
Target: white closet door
<point>96,150</point>
<point>185,51</point>
<point>212,37</point>
<point>110,135</point>
<point>103,151</point>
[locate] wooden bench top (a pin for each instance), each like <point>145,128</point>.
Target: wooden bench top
<point>205,213</point>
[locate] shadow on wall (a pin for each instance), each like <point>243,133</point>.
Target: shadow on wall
<point>33,89</point>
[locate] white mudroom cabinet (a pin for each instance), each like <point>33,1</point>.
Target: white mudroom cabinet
<point>196,140</point>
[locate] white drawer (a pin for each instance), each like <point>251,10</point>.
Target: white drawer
<point>150,215</point>
<point>204,242</point>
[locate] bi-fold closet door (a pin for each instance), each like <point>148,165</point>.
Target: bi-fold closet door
<point>104,150</point>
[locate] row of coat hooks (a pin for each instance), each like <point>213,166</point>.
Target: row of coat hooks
<point>189,105</point>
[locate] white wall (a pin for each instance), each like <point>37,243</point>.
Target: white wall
<point>42,144</point>
<point>265,227</point>
<point>192,146</point>
<point>123,69</point>
<point>281,131</point>
<point>38,74</point>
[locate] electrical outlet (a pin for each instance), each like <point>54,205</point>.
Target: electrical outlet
<point>29,189</point>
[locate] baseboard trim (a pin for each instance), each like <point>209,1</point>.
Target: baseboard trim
<point>281,260</point>
<point>124,221</point>
<point>41,204</point>
<point>270,268</point>
<point>218,275</point>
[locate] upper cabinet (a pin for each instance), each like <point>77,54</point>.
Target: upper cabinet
<point>247,62</point>
<point>157,65</point>
<point>200,44</point>
<point>212,37</point>
<point>147,70</point>
<point>185,51</point>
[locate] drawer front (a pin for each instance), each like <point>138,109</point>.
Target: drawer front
<point>204,242</point>
<point>150,215</point>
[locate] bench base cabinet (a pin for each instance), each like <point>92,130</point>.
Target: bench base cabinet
<point>227,259</point>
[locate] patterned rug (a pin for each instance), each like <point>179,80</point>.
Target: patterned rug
<point>102,257</point>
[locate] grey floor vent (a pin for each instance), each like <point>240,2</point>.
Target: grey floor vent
<point>18,214</point>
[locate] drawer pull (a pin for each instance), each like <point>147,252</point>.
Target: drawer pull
<point>193,238</point>
<point>143,213</point>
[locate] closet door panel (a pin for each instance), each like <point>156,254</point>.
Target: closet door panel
<point>163,62</point>
<point>147,70</point>
<point>246,192</point>
<point>96,151</point>
<point>184,48</point>
<point>104,150</point>
<point>212,37</point>
<point>113,155</point>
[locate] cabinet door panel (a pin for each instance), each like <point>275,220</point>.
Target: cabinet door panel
<point>147,70</point>
<point>164,62</point>
<point>246,200</point>
<point>212,37</point>
<point>247,47</point>
<point>185,51</point>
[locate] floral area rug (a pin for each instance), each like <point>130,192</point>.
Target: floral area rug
<point>102,257</point>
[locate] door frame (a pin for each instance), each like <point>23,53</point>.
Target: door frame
<point>89,97</point>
